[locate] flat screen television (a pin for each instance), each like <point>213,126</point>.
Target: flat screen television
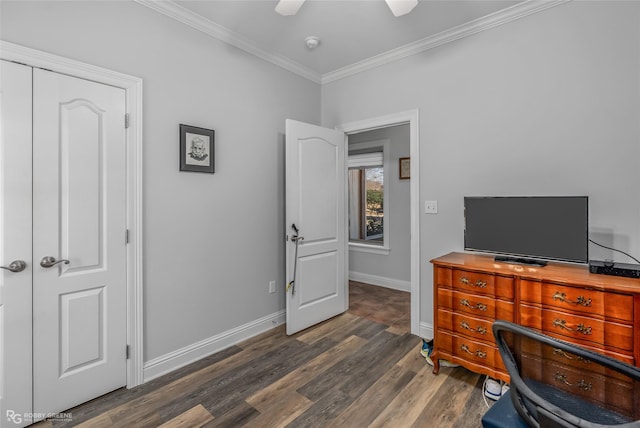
<point>528,229</point>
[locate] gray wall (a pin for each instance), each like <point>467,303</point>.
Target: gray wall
<point>396,265</point>
<point>212,242</point>
<point>548,104</point>
<point>545,105</point>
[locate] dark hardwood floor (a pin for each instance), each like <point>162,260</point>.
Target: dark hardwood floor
<point>382,305</point>
<point>362,368</point>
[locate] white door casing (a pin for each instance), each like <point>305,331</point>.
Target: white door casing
<point>316,204</point>
<point>134,192</point>
<point>15,243</point>
<point>79,322</point>
<point>412,118</point>
<point>16,225</point>
<point>134,316</point>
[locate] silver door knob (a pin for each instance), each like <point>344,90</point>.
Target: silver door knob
<point>15,266</point>
<point>48,261</point>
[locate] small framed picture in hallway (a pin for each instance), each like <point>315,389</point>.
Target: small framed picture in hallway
<point>405,168</point>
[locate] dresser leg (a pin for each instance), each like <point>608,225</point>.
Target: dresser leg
<point>436,362</point>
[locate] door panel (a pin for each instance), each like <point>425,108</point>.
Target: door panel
<point>317,288</point>
<point>15,243</point>
<point>318,173</point>
<point>81,182</point>
<point>82,330</point>
<point>315,195</point>
<point>79,331</point>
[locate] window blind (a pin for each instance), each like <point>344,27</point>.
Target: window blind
<point>362,160</point>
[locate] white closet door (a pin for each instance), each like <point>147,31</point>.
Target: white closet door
<point>15,243</point>
<point>79,308</point>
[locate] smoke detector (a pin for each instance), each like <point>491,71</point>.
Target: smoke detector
<point>312,42</point>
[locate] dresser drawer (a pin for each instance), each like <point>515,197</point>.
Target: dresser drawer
<point>477,305</point>
<point>449,347</point>
<point>442,276</point>
<point>475,282</point>
<point>483,283</point>
<point>477,352</point>
<point>587,330</point>
<point>463,324</point>
<point>568,359</point>
<point>591,386</point>
<point>576,299</point>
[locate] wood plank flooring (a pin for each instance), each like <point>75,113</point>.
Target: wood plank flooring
<point>362,368</point>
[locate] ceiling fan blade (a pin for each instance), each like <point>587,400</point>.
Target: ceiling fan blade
<point>400,7</point>
<point>288,7</point>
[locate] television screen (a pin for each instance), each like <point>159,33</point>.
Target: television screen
<point>539,227</point>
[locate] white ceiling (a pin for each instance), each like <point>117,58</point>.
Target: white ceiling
<point>352,32</point>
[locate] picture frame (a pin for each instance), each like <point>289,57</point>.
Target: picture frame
<point>404,168</point>
<point>197,146</point>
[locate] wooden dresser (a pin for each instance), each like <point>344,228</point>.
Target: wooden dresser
<point>470,291</point>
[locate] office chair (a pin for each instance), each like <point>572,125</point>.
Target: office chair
<point>559,384</point>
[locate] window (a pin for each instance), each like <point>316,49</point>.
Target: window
<point>367,195</point>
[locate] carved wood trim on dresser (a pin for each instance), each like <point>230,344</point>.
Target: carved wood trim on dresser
<point>565,301</point>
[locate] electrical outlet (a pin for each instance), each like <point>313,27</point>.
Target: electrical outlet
<point>272,286</point>
<point>431,207</point>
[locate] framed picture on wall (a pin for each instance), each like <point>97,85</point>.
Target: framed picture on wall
<point>197,149</point>
<point>405,168</point>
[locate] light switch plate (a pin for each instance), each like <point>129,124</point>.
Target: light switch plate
<point>431,207</point>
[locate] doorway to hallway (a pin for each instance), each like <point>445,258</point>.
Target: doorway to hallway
<point>382,305</point>
<point>411,283</point>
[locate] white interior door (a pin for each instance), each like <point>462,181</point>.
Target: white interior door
<point>79,307</point>
<point>15,243</point>
<point>316,205</point>
<point>62,195</point>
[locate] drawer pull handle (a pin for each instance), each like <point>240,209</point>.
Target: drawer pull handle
<point>479,329</point>
<point>479,306</point>
<point>478,352</point>
<point>582,384</point>
<point>585,386</point>
<point>581,300</point>
<point>562,324</point>
<point>479,283</point>
<point>570,356</point>
<point>581,328</point>
<point>562,353</point>
<point>559,377</point>
<point>586,330</point>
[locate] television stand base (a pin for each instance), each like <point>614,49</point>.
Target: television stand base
<point>520,261</point>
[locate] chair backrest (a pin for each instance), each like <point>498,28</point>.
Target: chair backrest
<point>559,384</point>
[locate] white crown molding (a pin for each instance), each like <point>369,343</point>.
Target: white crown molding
<point>193,20</point>
<point>495,19</point>
<point>181,14</point>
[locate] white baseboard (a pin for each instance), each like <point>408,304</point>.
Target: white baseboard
<point>189,354</point>
<point>381,281</point>
<point>426,330</point>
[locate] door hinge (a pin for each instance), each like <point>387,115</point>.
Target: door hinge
<point>126,120</point>
<point>126,236</point>
<point>126,352</point>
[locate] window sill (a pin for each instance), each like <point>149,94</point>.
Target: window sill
<point>368,248</point>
